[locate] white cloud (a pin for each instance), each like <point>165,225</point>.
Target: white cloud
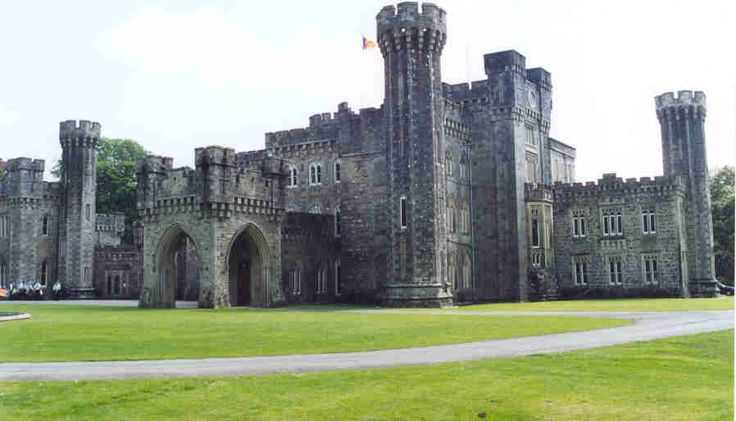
<point>7,116</point>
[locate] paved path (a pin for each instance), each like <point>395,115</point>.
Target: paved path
<point>645,326</point>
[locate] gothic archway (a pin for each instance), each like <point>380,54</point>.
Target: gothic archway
<point>178,268</point>
<point>248,268</point>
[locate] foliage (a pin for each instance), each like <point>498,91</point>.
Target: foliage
<point>116,180</point>
<point>722,204</point>
<point>63,333</point>
<point>683,378</point>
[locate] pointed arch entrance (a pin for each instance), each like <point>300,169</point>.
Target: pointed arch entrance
<point>178,268</point>
<point>248,268</point>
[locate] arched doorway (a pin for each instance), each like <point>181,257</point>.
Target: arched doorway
<point>178,268</point>
<point>248,268</point>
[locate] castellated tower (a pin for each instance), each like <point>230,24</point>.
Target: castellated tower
<point>79,141</point>
<point>682,121</point>
<point>411,42</point>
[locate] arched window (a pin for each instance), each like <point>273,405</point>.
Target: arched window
<point>448,164</point>
<point>322,279</point>
<point>45,225</point>
<point>452,215</point>
<point>295,280</point>
<point>451,270</point>
<point>44,272</point>
<point>338,171</point>
<point>315,209</point>
<point>463,169</point>
<point>337,221</point>
<point>293,176</point>
<point>464,218</point>
<point>87,212</point>
<point>338,278</point>
<point>3,274</point>
<point>315,174</point>
<point>466,273</point>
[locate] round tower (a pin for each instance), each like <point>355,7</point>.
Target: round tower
<point>411,41</point>
<point>682,121</point>
<point>79,142</point>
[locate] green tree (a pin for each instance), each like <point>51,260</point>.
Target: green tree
<point>116,181</point>
<point>722,205</point>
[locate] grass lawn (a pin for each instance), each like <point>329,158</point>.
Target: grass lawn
<point>619,304</point>
<point>85,333</point>
<point>685,378</point>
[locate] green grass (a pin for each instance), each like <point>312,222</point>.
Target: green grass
<point>84,333</point>
<point>685,378</point>
<point>619,304</point>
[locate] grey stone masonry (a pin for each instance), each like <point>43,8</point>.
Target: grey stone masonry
<point>411,43</point>
<point>682,121</point>
<point>79,141</point>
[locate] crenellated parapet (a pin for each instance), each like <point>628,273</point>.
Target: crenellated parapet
<point>611,185</point>
<point>534,192</point>
<point>79,133</point>
<point>685,103</point>
<point>406,27</point>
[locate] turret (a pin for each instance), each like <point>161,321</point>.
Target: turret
<point>411,41</point>
<point>79,142</point>
<point>682,121</point>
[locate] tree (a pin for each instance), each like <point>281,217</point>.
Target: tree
<point>722,205</point>
<point>116,180</point>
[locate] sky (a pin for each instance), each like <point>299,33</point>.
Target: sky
<point>181,74</point>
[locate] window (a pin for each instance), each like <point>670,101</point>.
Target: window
<point>338,171</point>
<point>648,223</point>
<point>612,222</point>
<point>3,226</point>
<point>579,228</point>
<point>465,218</point>
<point>86,211</point>
<point>448,164</point>
<point>293,176</point>
<point>580,270</point>
<point>321,280</point>
<point>451,271</point>
<point>615,270</point>
<point>531,138</point>
<point>295,280</point>
<point>536,229</point>
<point>465,272</point>
<point>45,225</point>
<point>463,169</point>
<point>3,276</point>
<point>650,269</point>
<point>337,221</point>
<point>402,211</point>
<point>451,215</point>
<point>532,168</point>
<point>338,278</point>
<point>44,272</point>
<point>86,275</point>
<point>315,174</point>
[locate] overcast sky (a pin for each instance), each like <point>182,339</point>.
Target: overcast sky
<point>181,74</point>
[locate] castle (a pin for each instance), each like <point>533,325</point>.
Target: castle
<point>444,194</point>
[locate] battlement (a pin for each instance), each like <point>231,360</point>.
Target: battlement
<point>540,77</point>
<point>406,24</point>
<point>25,164</point>
<point>319,119</point>
<point>110,222</point>
<point>154,164</point>
<point>610,183</point>
<point>464,91</point>
<point>214,155</point>
<point>683,98</point>
<point>79,130</point>
<point>503,61</point>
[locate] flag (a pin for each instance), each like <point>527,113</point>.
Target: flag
<point>368,43</point>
